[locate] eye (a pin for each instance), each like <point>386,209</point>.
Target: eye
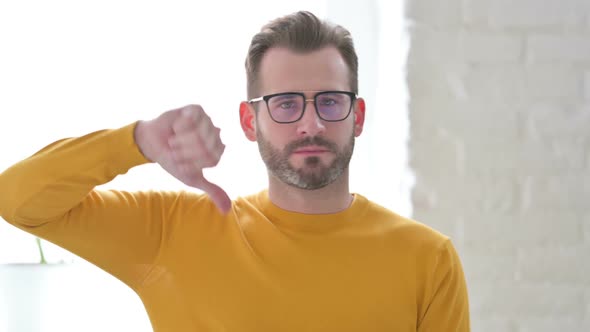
<point>328,102</point>
<point>287,105</point>
<point>332,99</point>
<point>283,103</point>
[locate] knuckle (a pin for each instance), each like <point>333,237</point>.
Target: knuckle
<point>216,159</point>
<point>196,110</point>
<point>193,112</point>
<point>211,143</point>
<point>194,107</point>
<point>177,126</point>
<point>209,157</point>
<point>211,160</point>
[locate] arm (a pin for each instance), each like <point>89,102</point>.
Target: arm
<point>447,305</point>
<point>51,194</point>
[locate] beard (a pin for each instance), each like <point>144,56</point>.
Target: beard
<point>313,174</point>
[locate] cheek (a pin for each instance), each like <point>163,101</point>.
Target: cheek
<point>277,136</point>
<point>341,131</point>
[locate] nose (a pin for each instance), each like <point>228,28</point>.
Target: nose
<point>310,124</point>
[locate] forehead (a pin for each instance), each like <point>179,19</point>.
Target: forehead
<point>282,69</point>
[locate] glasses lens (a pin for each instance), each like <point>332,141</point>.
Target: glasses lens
<point>286,107</point>
<point>333,106</point>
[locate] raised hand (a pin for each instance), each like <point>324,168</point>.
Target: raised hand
<point>184,141</point>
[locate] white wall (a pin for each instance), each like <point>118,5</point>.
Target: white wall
<point>500,136</point>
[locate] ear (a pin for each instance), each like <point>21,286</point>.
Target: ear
<point>359,116</point>
<point>248,120</point>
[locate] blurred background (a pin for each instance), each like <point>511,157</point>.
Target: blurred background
<point>478,124</point>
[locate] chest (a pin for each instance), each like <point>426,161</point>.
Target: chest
<point>304,286</point>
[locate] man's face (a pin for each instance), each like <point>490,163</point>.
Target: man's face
<point>319,161</point>
<point>310,153</point>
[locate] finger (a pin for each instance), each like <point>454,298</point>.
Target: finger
<point>186,147</point>
<point>205,125</point>
<point>189,119</point>
<point>219,150</point>
<point>218,195</point>
<point>202,145</point>
<point>196,152</point>
<point>213,139</point>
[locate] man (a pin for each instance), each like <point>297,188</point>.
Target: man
<point>303,255</point>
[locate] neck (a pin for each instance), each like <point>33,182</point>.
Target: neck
<point>332,198</point>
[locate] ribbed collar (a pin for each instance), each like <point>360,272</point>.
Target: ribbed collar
<point>316,223</point>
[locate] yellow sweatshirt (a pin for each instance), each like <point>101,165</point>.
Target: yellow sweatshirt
<point>258,268</point>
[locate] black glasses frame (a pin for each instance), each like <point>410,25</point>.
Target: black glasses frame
<point>353,96</point>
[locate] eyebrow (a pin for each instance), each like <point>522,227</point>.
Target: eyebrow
<point>287,95</point>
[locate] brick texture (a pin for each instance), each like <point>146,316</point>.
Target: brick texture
<point>500,148</point>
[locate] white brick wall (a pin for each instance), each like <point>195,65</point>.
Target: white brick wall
<point>492,47</point>
<point>557,47</point>
<point>524,14</point>
<point>500,146</point>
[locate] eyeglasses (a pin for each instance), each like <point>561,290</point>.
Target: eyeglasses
<point>288,107</point>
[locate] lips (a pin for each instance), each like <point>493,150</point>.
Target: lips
<point>309,150</point>
<point>311,145</point>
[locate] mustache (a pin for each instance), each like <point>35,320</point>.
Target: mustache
<point>308,141</point>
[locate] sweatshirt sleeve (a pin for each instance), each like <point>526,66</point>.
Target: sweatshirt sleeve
<point>447,306</point>
<point>51,195</point>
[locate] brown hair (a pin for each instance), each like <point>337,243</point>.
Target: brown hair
<point>301,32</point>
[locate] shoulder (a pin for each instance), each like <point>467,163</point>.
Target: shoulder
<point>169,204</point>
<point>410,233</point>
